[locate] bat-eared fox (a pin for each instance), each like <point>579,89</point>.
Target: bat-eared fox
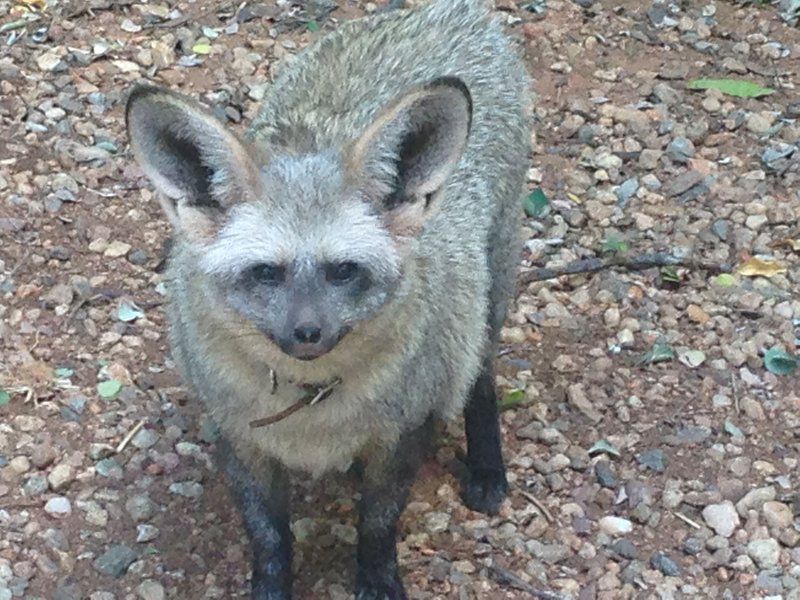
<point>340,274</point>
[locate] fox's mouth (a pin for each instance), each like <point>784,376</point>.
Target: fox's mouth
<point>305,351</point>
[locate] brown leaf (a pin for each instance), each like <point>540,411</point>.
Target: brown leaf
<point>793,245</point>
<point>34,373</point>
<point>755,267</point>
<point>28,290</point>
<point>697,314</point>
<point>120,373</point>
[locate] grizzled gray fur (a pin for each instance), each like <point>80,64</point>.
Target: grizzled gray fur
<point>361,239</point>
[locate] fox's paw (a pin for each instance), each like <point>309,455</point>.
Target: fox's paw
<point>380,589</point>
<point>485,490</point>
<point>270,584</point>
<point>266,592</point>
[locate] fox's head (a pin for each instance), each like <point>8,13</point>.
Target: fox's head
<point>304,245</point>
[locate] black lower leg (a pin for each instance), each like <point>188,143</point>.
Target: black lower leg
<point>486,485</point>
<point>264,504</point>
<point>388,475</point>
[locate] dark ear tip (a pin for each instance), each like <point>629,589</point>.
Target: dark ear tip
<point>455,83</point>
<point>137,93</point>
<point>449,81</point>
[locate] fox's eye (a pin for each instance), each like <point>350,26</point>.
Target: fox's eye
<point>340,273</point>
<point>267,273</point>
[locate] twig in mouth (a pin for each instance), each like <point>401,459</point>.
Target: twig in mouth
<point>316,394</point>
<point>286,412</point>
<point>324,392</point>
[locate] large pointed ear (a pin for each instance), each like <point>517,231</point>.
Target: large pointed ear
<point>406,155</point>
<point>200,167</point>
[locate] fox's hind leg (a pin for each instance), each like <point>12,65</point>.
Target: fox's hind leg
<point>485,487</point>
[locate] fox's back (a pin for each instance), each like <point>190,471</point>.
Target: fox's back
<point>336,87</point>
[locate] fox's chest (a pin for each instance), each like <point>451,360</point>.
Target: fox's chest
<point>311,428</point>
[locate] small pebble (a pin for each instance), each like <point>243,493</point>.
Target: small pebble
<point>58,507</point>
<point>652,459</point>
<point>615,525</point>
<point>665,564</point>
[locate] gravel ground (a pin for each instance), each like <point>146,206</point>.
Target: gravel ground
<point>652,452</point>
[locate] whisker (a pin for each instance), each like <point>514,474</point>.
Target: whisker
<point>240,336</point>
<point>223,329</point>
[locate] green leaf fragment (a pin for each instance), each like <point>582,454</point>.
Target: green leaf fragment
<point>109,389</point>
<point>108,146</point>
<point>777,361</point>
<point>536,204</point>
<point>724,280</point>
<point>5,397</point>
<point>11,25</point>
<point>614,244</point>
<point>63,372</point>
<point>512,399</point>
<point>128,312</point>
<point>733,430</point>
<point>312,26</point>
<point>201,48</point>
<point>732,87</point>
<point>670,274</point>
<point>660,352</point>
<point>603,447</point>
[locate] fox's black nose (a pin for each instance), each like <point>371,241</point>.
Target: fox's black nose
<point>307,334</point>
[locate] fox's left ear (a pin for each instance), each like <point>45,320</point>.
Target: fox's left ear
<point>193,160</point>
<point>406,155</point>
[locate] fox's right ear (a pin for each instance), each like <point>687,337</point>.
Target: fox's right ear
<point>411,149</point>
<point>193,160</point>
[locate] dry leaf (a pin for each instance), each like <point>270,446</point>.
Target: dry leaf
<point>34,374</point>
<point>31,377</point>
<point>701,165</point>
<point>574,198</point>
<point>25,6</point>
<point>755,267</point>
<point>635,292</point>
<point>793,245</point>
<point>28,290</point>
<point>697,314</point>
<point>119,373</point>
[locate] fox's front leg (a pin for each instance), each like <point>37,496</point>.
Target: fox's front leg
<point>264,504</point>
<point>387,477</point>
